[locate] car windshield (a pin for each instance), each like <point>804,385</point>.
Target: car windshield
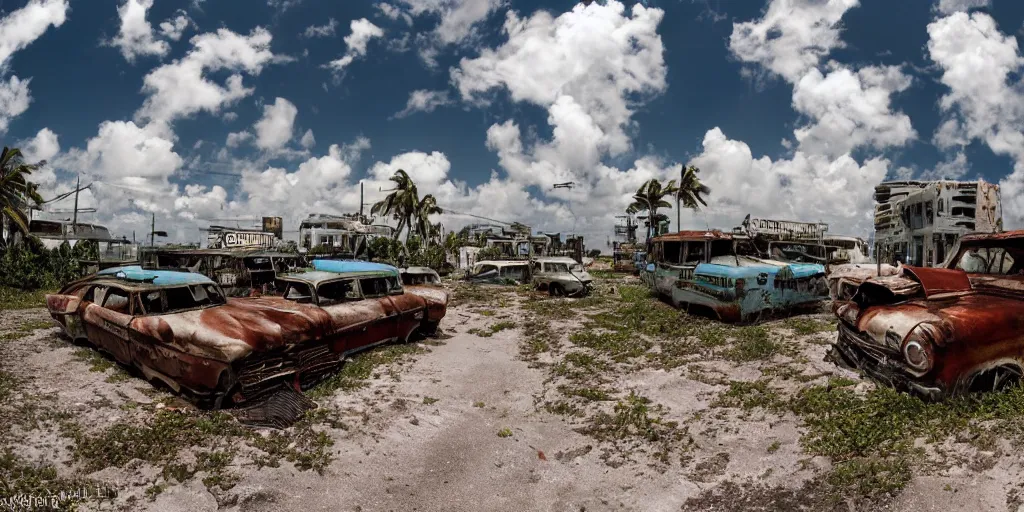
<point>181,298</point>
<point>556,267</point>
<point>986,260</point>
<point>414,279</point>
<point>576,267</point>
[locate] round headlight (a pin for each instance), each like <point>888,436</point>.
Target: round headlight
<point>916,355</point>
<point>918,348</point>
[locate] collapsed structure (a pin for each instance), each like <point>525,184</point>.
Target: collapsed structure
<point>919,222</point>
<point>339,235</point>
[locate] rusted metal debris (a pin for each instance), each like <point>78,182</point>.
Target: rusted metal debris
<point>939,332</point>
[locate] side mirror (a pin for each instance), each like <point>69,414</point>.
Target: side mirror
<point>650,267</point>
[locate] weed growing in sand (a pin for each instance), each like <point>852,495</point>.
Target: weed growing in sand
<point>750,395</point>
<point>618,345</point>
<point>493,329</point>
<point>804,326</point>
<point>97,361</point>
<point>752,343</point>
<point>587,393</point>
<point>632,417</point>
<point>505,432</point>
<point>427,400</point>
<point>355,373</point>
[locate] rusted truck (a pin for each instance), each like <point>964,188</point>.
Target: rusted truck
<point>938,332</point>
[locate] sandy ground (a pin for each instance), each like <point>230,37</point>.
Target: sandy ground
<point>429,433</point>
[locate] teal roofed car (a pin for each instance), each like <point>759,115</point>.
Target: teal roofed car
<point>155,277</point>
<point>344,267</point>
<point>721,275</point>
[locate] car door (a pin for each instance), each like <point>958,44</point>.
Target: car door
<point>66,309</point>
<point>411,309</point>
<point>106,321</point>
<point>352,316</point>
<point>384,328</point>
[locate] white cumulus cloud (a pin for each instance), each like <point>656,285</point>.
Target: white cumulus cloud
<point>275,128</point>
<point>363,31</point>
<point>180,88</point>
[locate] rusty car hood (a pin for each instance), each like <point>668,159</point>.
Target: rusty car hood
<point>434,295</point>
<point>945,297</point>
<point>237,328</point>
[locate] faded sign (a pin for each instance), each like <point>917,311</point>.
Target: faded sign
<point>247,239</point>
<point>785,227</point>
<point>273,225</point>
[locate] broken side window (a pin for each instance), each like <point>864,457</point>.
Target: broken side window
<point>117,300</point>
<point>152,302</point>
<point>334,292</point>
<point>694,253</point>
<point>672,252</point>
<point>299,292</point>
<point>374,286</point>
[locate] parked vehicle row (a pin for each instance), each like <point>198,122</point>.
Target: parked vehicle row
<point>179,328</point>
<point>559,276</point>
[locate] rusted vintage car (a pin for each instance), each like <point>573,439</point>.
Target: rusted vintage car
<point>414,276</point>
<point>178,328</point>
<point>435,297</point>
<point>939,332</point>
<point>716,273</point>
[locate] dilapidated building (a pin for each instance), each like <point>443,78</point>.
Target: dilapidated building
<point>919,222</point>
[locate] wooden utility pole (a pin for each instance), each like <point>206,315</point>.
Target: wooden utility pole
<point>360,201</point>
<point>679,226</point>
<point>74,217</point>
<point>152,232</point>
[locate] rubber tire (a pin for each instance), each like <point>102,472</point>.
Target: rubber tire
<point>556,290</point>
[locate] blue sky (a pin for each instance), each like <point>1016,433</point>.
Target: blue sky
<point>791,108</point>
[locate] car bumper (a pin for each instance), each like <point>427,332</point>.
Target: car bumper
<point>880,364</point>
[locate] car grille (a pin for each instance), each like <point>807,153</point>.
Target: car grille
<point>865,344</point>
<point>264,373</point>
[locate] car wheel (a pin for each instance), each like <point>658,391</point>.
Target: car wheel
<point>556,290</point>
<point>429,328</point>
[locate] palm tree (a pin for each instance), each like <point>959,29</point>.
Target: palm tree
<point>648,198</point>
<point>689,191</point>
<point>17,193</point>
<point>424,209</point>
<point>401,204</point>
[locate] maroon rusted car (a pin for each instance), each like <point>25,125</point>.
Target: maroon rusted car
<point>179,329</point>
<point>939,332</point>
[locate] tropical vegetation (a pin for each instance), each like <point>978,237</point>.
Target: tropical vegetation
<point>411,212</point>
<point>652,195</point>
<point>17,193</point>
